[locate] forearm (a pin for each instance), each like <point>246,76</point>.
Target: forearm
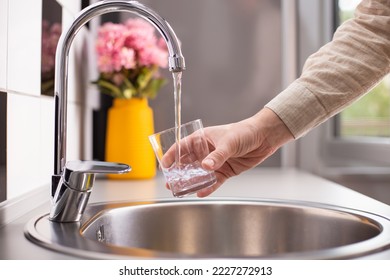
<point>340,72</point>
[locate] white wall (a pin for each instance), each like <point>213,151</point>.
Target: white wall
<point>3,43</point>
<point>30,116</point>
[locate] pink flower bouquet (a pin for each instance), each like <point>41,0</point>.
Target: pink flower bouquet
<point>129,58</point>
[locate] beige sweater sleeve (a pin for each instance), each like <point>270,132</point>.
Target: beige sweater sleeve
<point>355,60</point>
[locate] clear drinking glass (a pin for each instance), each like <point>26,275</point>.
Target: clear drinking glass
<point>182,167</point>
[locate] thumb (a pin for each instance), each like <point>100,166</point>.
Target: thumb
<point>216,159</point>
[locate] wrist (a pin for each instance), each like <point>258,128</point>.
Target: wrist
<point>271,128</point>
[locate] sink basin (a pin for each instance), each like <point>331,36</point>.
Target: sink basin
<point>215,228</point>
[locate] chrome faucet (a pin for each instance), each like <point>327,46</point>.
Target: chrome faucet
<point>72,181</point>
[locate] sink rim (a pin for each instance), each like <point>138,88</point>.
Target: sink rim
<point>89,248</point>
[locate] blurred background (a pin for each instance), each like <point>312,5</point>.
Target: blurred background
<point>233,57</point>
<point>239,55</point>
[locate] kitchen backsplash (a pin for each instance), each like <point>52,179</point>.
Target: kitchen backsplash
<point>29,115</point>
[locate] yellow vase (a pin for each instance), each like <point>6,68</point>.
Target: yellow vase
<point>129,123</point>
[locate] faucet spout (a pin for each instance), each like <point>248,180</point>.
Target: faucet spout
<point>175,61</point>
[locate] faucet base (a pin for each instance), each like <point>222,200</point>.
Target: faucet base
<point>68,205</point>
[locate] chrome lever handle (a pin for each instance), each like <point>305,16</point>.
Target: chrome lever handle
<point>96,167</point>
<point>79,175</point>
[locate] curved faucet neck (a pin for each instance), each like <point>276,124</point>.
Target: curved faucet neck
<point>175,61</point>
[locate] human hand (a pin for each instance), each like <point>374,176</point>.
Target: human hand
<point>237,147</point>
<point>234,148</point>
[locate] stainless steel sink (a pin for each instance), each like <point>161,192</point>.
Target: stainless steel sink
<point>218,228</point>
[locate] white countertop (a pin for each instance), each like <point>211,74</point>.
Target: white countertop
<point>265,183</point>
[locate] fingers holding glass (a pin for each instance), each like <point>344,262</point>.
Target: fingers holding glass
<point>181,160</point>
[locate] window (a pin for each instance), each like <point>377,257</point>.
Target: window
<point>356,141</point>
<point>355,158</point>
<point>369,116</point>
